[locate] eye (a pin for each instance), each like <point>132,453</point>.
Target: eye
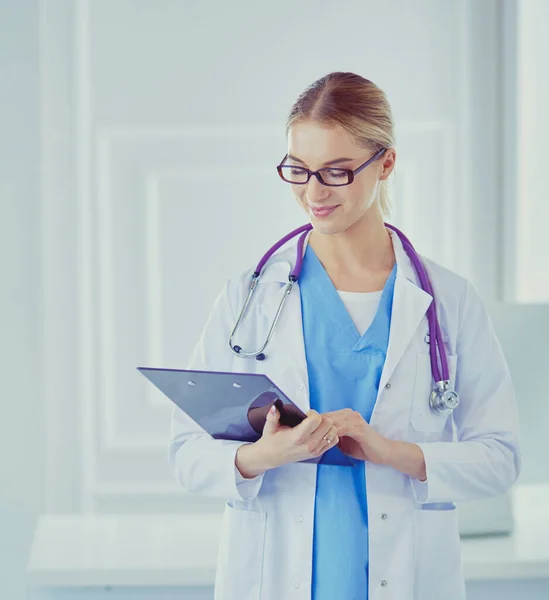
<point>337,174</point>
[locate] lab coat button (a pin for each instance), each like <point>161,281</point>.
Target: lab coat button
<point>299,519</point>
<point>384,583</point>
<point>296,585</point>
<point>388,386</point>
<point>384,516</point>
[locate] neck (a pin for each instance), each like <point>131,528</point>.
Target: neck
<point>364,248</point>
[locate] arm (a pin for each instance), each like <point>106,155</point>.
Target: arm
<point>201,464</point>
<point>250,462</point>
<point>407,458</point>
<point>486,460</point>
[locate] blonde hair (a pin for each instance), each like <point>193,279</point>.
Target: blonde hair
<point>356,105</point>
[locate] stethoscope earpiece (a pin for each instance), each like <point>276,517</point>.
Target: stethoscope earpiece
<point>238,350</point>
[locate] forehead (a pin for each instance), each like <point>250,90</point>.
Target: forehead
<point>317,143</point>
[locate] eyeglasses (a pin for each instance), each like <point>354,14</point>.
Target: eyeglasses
<point>327,176</point>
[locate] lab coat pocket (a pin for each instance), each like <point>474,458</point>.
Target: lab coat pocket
<point>438,562</point>
<point>422,417</point>
<point>240,557</point>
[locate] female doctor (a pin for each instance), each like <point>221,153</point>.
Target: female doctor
<point>353,347</point>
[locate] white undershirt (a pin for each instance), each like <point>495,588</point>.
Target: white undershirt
<point>362,307</point>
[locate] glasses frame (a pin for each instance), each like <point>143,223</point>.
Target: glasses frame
<point>350,172</point>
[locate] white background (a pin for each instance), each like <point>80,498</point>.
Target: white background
<point>138,145</point>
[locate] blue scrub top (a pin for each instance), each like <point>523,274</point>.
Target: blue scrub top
<point>344,371</point>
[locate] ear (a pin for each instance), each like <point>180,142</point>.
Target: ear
<point>388,164</point>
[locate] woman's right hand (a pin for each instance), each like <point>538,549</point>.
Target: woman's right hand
<point>280,444</point>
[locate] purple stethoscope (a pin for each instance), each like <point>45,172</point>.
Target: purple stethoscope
<point>443,399</point>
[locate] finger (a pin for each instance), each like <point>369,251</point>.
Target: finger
<point>344,430</point>
<point>350,419</point>
<point>334,416</point>
<point>326,430</point>
<point>340,416</point>
<point>271,421</point>
<point>327,441</point>
<point>349,430</point>
<point>308,425</point>
<point>334,441</point>
<point>341,411</point>
<point>326,422</point>
<point>332,434</point>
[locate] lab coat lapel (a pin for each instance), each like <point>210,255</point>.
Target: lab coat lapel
<point>410,303</point>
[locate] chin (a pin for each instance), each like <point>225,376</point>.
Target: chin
<point>327,228</point>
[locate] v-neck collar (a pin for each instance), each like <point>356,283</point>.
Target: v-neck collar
<point>333,308</point>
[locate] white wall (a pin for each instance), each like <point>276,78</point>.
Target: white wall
<point>22,431</point>
<point>533,130</point>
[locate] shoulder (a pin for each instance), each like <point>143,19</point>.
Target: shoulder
<point>449,286</point>
<point>445,278</point>
<point>459,301</point>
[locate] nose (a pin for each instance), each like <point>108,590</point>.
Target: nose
<point>315,191</point>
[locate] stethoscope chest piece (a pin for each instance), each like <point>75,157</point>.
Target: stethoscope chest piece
<point>443,400</point>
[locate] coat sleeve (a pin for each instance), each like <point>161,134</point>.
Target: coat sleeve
<point>201,464</point>
<point>485,460</point>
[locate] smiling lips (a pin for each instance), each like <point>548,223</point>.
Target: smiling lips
<point>322,212</point>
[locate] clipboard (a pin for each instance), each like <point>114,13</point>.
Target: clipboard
<point>233,406</point>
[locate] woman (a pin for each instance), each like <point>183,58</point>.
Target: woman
<point>351,349</point>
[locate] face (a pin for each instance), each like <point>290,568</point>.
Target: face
<point>314,145</point>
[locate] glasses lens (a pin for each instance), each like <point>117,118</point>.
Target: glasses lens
<point>335,176</point>
<point>294,174</point>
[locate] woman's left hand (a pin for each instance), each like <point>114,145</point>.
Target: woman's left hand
<point>357,438</point>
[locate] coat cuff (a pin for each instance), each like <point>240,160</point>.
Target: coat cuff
<point>206,467</point>
<point>244,489</point>
<point>423,490</point>
<point>248,488</point>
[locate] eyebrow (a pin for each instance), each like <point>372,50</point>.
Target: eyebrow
<point>330,162</point>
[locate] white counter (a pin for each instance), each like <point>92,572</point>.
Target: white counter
<point>124,550</point>
<point>522,555</point>
<point>180,550</point>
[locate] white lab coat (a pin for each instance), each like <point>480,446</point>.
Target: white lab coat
<point>265,551</point>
